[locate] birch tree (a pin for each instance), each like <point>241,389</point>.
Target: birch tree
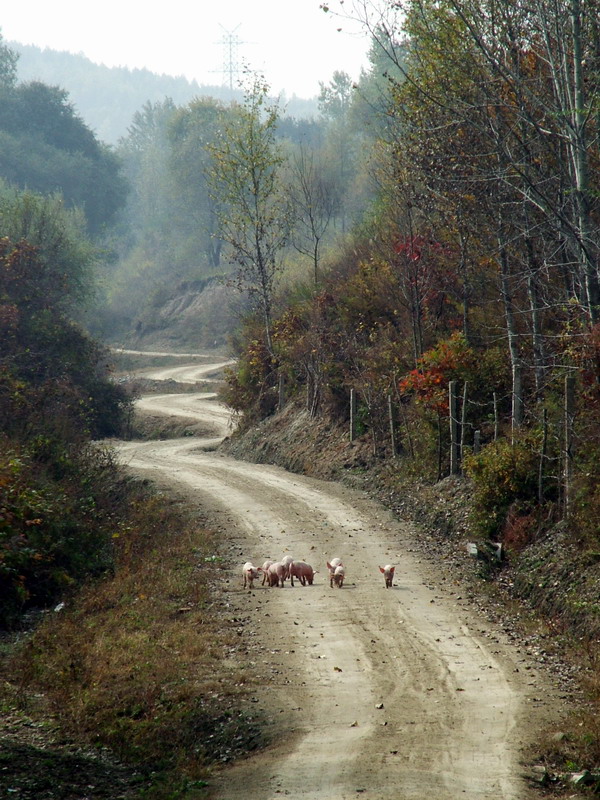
<point>248,192</point>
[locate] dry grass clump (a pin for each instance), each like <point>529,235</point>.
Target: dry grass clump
<point>142,663</point>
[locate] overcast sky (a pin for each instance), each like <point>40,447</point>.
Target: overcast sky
<point>292,42</point>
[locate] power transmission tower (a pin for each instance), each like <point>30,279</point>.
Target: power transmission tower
<point>230,43</point>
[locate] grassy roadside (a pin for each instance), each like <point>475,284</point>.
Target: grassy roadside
<point>135,688</point>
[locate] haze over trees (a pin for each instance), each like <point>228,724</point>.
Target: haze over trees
<point>45,146</point>
<point>108,97</point>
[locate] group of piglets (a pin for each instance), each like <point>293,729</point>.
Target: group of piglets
<point>275,573</point>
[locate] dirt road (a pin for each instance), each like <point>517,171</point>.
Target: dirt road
<point>386,693</point>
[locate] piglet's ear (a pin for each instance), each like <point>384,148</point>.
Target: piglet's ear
<point>393,569</point>
<point>381,569</point>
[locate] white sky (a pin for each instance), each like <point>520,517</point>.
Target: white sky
<point>292,42</point>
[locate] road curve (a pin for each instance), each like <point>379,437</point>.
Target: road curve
<point>397,693</point>
<point>187,373</point>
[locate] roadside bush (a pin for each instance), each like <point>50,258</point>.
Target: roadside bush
<point>56,521</point>
<point>251,387</point>
<point>143,662</point>
<point>505,477</point>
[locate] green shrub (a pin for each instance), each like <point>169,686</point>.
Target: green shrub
<point>503,474</point>
<point>56,521</point>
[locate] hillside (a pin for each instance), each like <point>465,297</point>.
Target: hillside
<point>108,97</point>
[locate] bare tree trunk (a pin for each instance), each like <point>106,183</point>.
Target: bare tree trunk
<point>511,330</point>
<point>581,167</point>
<point>536,334</point>
<point>454,444</point>
<point>568,443</point>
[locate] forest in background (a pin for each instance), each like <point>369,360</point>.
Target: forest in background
<point>108,97</point>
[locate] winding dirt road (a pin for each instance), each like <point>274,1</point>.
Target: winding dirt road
<point>397,693</point>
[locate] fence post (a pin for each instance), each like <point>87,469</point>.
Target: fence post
<point>568,442</point>
<point>463,422</point>
<point>281,392</point>
<point>392,426</point>
<point>453,403</point>
<point>352,413</point>
<point>477,442</point>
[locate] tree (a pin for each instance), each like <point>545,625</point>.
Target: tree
<point>46,146</point>
<point>314,202</point>
<point>335,99</point>
<point>249,196</point>
<point>8,65</point>
<point>191,132</point>
<point>63,252</point>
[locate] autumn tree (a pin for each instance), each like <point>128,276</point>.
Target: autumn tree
<point>249,196</point>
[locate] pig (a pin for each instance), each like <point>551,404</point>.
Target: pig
<point>331,565</point>
<point>388,574</point>
<point>277,574</point>
<point>287,562</point>
<point>303,571</point>
<point>250,572</point>
<point>265,570</point>
<point>337,576</point>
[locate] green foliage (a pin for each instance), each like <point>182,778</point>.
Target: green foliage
<point>504,475</point>
<point>46,146</point>
<point>8,65</point>
<point>251,387</point>
<point>57,239</point>
<point>56,520</point>
<point>55,509</point>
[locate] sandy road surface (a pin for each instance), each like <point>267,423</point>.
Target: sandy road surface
<point>458,702</point>
<point>188,373</point>
<point>202,406</point>
<point>163,354</point>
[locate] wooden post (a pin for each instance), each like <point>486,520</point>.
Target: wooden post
<point>453,403</point>
<point>496,419</point>
<point>281,392</point>
<point>477,442</point>
<point>568,442</point>
<point>352,413</point>
<point>463,422</point>
<point>392,426</point>
<point>543,456</point>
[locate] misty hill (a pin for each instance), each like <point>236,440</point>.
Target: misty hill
<point>108,97</point>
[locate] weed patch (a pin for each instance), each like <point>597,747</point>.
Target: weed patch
<point>141,664</point>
